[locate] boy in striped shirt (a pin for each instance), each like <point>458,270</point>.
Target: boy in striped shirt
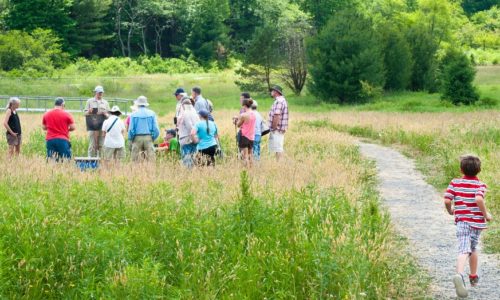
<point>467,196</point>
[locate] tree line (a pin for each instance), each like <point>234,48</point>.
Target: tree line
<point>352,47</point>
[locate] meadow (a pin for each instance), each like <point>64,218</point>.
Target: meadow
<point>308,227</point>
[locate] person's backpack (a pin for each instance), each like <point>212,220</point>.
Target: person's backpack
<point>210,106</point>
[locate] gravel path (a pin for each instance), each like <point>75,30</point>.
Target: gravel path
<point>418,212</point>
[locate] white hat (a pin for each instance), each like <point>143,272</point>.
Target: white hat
<point>141,101</point>
<point>99,89</point>
<point>115,109</point>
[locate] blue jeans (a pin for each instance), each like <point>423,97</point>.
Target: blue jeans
<point>187,154</point>
<point>256,147</point>
<point>58,148</point>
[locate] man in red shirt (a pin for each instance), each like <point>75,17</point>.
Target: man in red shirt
<point>58,123</point>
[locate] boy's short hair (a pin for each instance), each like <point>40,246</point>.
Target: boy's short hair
<point>470,164</point>
<point>172,132</point>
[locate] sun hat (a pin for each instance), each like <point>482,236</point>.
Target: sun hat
<point>203,113</point>
<point>277,88</point>
<point>179,91</point>
<point>115,109</point>
<point>59,101</point>
<point>99,89</point>
<point>141,101</point>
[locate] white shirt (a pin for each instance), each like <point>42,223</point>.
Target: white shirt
<point>114,138</point>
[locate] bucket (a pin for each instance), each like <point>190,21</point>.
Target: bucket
<point>85,163</point>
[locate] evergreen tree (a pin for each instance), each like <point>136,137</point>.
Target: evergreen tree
<point>28,15</point>
<point>345,56</point>
<point>398,60</point>
<point>208,38</point>
<point>423,48</point>
<point>90,25</point>
<point>457,79</point>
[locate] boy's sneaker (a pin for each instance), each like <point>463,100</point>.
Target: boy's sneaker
<point>459,282</point>
<point>474,280</point>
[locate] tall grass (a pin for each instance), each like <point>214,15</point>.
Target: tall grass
<point>436,141</point>
<point>309,227</point>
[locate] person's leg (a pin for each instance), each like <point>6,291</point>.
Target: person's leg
<point>65,150</point>
<point>464,250</point>
<point>256,147</point>
<point>149,148</point>
<point>107,154</point>
<point>473,262</point>
<point>250,155</point>
<point>474,257</point>
<point>120,154</point>
<point>18,146</point>
<point>135,150</point>
<point>101,143</point>
<point>92,150</point>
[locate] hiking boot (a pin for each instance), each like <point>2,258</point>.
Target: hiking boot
<point>459,282</point>
<point>474,280</point>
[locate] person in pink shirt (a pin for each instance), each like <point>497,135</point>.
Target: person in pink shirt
<point>246,122</point>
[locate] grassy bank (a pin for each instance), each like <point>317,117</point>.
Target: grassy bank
<point>436,141</point>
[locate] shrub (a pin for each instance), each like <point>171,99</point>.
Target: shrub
<point>398,61</point>
<point>157,64</point>
<point>113,66</point>
<point>457,79</point>
<point>345,53</point>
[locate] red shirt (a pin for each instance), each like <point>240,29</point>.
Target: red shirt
<point>463,192</point>
<point>57,122</point>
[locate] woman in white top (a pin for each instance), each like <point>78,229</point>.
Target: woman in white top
<point>114,142</point>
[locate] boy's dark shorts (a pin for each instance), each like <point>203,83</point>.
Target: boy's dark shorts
<point>244,143</point>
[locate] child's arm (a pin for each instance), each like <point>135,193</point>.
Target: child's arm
<point>447,204</point>
<point>482,207</point>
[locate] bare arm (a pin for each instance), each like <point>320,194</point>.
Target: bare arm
<point>482,207</point>
<point>242,119</point>
<point>8,113</point>
<point>447,204</point>
<point>72,127</point>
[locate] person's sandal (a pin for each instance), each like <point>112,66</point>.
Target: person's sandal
<point>474,280</point>
<point>459,282</point>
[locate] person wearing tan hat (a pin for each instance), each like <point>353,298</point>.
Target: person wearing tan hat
<point>278,121</point>
<point>143,130</point>
<point>96,106</point>
<point>113,130</point>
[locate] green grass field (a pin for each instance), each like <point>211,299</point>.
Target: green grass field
<point>220,88</point>
<point>309,228</point>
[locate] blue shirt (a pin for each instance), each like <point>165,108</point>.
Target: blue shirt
<point>202,103</point>
<point>207,140</point>
<point>143,122</point>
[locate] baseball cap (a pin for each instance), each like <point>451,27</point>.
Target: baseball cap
<point>59,101</point>
<point>204,113</point>
<point>171,132</point>
<point>99,89</point>
<point>179,91</point>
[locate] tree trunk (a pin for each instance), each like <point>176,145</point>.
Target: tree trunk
<point>119,29</point>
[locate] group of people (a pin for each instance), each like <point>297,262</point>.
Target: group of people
<point>195,137</point>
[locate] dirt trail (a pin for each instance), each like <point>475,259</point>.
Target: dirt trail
<point>418,213</point>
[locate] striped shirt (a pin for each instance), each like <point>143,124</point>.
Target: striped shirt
<point>463,192</point>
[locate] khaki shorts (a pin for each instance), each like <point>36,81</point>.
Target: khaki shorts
<point>276,142</point>
<point>114,153</point>
<point>13,140</point>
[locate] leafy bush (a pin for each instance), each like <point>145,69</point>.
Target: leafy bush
<point>32,55</point>
<point>457,79</point>
<point>156,64</point>
<point>113,66</point>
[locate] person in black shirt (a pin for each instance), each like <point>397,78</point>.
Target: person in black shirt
<point>13,126</point>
